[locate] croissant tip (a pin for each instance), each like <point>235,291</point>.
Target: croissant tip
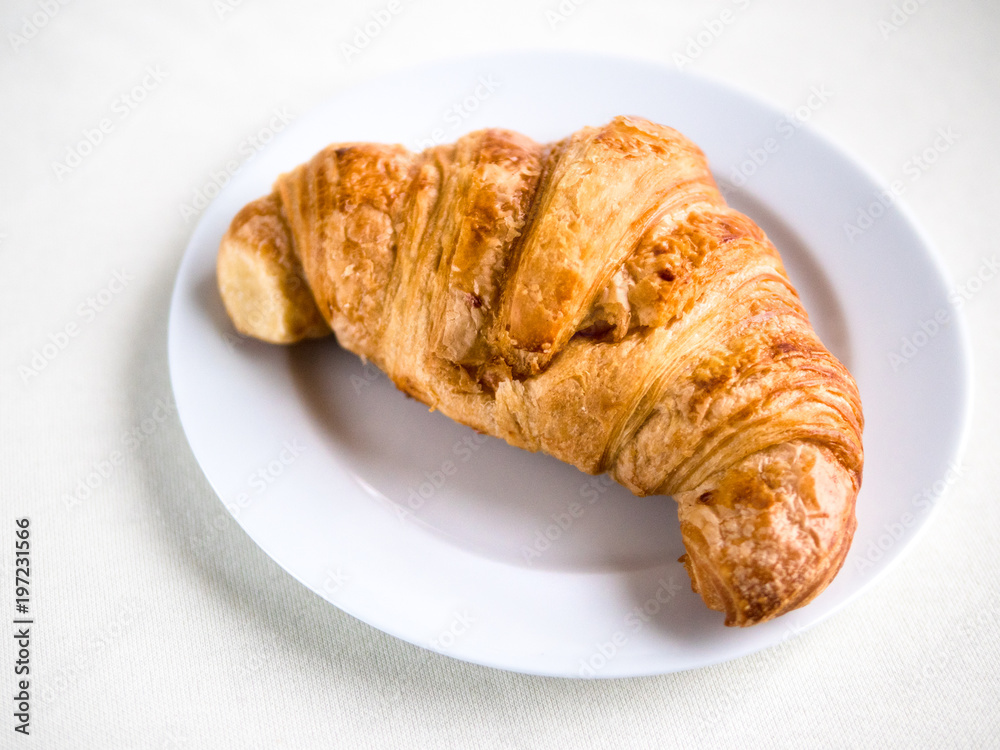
<point>261,282</point>
<point>768,535</point>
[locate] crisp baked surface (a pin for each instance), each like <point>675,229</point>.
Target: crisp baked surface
<point>595,299</point>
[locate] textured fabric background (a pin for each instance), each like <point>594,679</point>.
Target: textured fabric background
<point>161,625</point>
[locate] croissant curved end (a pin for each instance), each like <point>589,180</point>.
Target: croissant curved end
<point>768,535</point>
<point>261,280</point>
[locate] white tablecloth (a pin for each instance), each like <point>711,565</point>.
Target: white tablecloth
<point>158,625</point>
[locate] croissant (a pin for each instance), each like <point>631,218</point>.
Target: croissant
<point>595,299</point>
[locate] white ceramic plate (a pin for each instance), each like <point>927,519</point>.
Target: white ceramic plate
<point>469,547</point>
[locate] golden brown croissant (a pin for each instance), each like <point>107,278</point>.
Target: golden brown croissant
<point>595,299</point>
